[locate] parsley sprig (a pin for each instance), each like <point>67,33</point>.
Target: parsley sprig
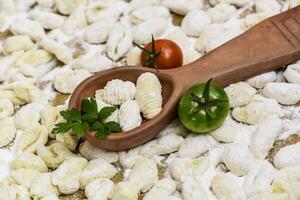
<point>88,119</point>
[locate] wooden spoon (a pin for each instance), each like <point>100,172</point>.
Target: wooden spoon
<point>271,44</point>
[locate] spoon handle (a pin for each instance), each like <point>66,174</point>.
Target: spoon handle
<point>271,44</point>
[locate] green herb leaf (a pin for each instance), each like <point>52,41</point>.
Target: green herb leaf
<point>72,115</point>
<point>106,112</point>
<point>63,127</point>
<point>89,110</point>
<point>80,128</point>
<point>101,131</point>
<point>113,127</point>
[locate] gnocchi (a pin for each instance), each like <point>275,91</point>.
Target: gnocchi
<point>129,115</point>
<point>7,131</point>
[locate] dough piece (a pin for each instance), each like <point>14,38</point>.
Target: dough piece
<point>238,159</point>
<point>91,152</point>
<point>239,94</point>
<point>259,109</point>
<point>14,192</point>
<point>119,42</point>
<point>263,139</point>
<point>129,115</point>
<point>98,168</point>
<point>97,32</point>
<point>194,22</point>
<point>28,27</point>
<point>288,156</point>
<point>76,21</point>
<point>162,189</point>
<point>7,131</point>
<point>144,174</point>
<point>127,159</point>
<point>48,20</point>
<point>25,177</point>
<point>125,191</point>
<point>99,189</point>
<point>142,14</point>
<point>28,161</point>
<point>262,80</point>
<point>182,7</point>
<point>54,154</point>
<point>17,43</point>
<point>28,116</point>
<point>116,92</point>
<point>148,95</point>
<point>66,7</point>
<point>66,176</point>
<point>221,12</point>
<point>42,187</point>
<point>284,93</point>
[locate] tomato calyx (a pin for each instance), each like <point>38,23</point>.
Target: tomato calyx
<point>152,55</point>
<point>205,102</point>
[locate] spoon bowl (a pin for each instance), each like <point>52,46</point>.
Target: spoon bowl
<point>270,45</point>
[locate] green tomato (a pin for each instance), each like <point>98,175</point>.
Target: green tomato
<point>203,108</point>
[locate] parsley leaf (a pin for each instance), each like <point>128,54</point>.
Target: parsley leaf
<point>113,127</point>
<point>89,110</point>
<point>106,112</point>
<point>88,119</point>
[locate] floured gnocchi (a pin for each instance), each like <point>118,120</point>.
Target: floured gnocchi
<point>47,47</point>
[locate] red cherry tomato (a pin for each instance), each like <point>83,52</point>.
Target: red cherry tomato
<point>162,53</point>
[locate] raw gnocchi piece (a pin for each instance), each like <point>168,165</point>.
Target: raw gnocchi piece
<point>68,139</point>
<point>226,187</point>
<point>182,7</point>
<point>187,167</point>
<point>98,168</point>
<point>221,12</point>
<point>239,94</point>
<point>14,192</point>
<point>262,80</point>
<point>99,189</point>
<point>144,13</point>
<point>75,22</point>
<point>54,154</point>
<point>230,131</point>
<point>144,174</point>
<point>48,20</point>
<point>66,7</point>
<point>292,73</point>
<point>28,116</point>
<point>162,188</point>
<point>270,196</point>
<point>284,93</point>
<point>8,7</point>
<point>148,95</point>
<point>259,109</point>
<point>133,57</point>
<point>45,3</point>
<point>288,156</point>
<point>271,7</point>
<point>17,43</point>
<point>7,131</point>
<point>6,63</point>
<point>66,80</point>
<point>62,52</point>
<point>195,146</point>
<point>238,159</point>
<point>29,140</point>
<point>263,139</point>
<point>129,115</point>
<point>49,115</point>
<point>91,152</point>
<point>93,63</point>
<point>116,92</point>
<point>28,161</point>
<point>43,187</point>
<point>162,146</point>
<point>108,11</point>
<point>259,178</point>
<point>34,62</point>
<point>142,32</point>
<point>25,177</point>
<point>97,32</point>
<point>66,176</point>
<point>238,3</point>
<point>119,42</point>
<point>28,27</point>
<point>50,197</point>
<point>193,189</point>
<point>125,191</point>
<point>194,22</point>
<point>127,159</point>
<point>6,156</point>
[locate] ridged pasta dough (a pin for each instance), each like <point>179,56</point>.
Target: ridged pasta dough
<point>149,95</point>
<point>129,115</point>
<point>117,92</point>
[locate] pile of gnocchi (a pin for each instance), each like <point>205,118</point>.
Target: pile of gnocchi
<point>47,47</point>
<point>145,98</point>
